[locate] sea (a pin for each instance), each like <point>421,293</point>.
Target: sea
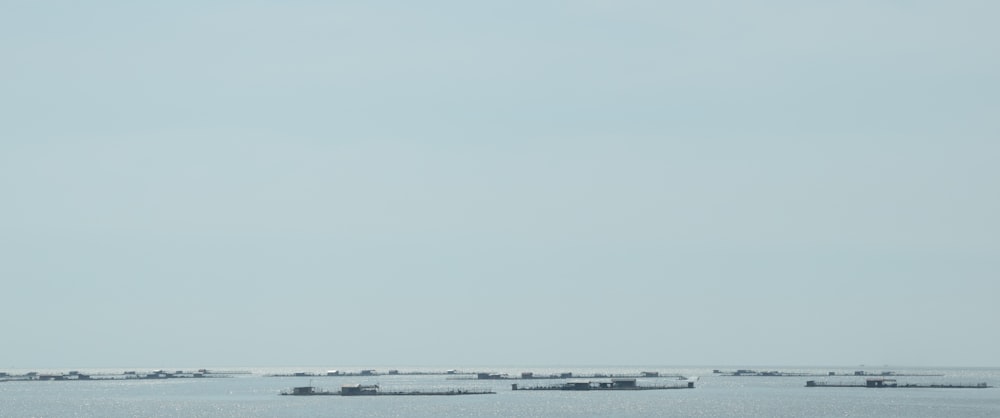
<point>255,392</point>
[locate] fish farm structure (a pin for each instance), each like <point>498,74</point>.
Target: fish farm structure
<point>614,384</point>
<point>777,373</point>
<point>127,375</point>
<point>374,390</point>
<point>564,375</point>
<point>881,382</point>
<point>370,372</point>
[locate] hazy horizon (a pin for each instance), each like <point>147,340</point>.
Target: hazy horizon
<point>252,183</point>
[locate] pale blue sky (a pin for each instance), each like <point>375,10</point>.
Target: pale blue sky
<point>459,183</point>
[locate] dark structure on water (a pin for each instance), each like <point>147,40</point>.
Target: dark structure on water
<point>77,376</point>
<point>778,373</point>
<point>614,384</point>
<point>565,375</point>
<point>374,390</point>
<point>881,382</point>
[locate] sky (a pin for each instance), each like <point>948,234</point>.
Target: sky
<point>450,183</point>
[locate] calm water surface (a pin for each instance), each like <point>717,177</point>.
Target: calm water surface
<point>256,395</point>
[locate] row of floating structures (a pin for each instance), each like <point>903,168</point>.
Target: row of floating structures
<point>74,375</point>
<point>370,372</point>
<point>374,390</point>
<point>621,384</point>
<point>568,375</point>
<point>453,374</point>
<point>880,379</point>
<point>884,379</point>
<point>164,374</point>
<point>882,382</point>
<point>461,375</point>
<point>465,375</point>
<point>777,373</point>
<point>614,384</point>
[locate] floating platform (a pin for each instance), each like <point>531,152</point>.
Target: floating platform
<point>776,373</point>
<point>565,375</point>
<point>614,384</point>
<point>128,375</point>
<point>879,382</point>
<point>370,372</point>
<point>374,390</point>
